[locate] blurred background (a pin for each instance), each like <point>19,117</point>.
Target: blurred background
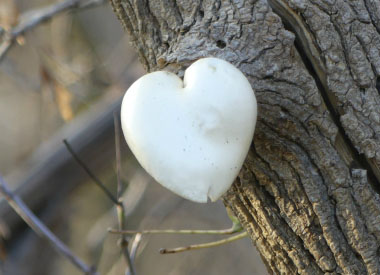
<point>64,80</point>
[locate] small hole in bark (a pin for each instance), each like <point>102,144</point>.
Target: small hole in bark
<point>378,84</point>
<point>220,44</point>
<point>201,13</point>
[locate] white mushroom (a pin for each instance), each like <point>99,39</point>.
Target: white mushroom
<point>191,136</point>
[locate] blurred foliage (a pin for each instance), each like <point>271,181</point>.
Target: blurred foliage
<point>63,67</point>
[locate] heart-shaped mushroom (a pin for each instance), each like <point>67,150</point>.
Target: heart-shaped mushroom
<point>191,136</point>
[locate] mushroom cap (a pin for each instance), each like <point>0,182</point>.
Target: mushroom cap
<point>191,136</point>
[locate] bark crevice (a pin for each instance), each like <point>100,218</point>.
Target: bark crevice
<point>360,74</point>
<point>360,159</point>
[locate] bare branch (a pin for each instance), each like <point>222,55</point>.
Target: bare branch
<point>35,17</point>
<point>203,245</point>
<point>135,245</point>
<point>173,231</point>
<point>36,224</point>
<point>120,206</point>
<point>92,175</point>
<point>118,157</point>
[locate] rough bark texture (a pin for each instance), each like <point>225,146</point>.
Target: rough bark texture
<point>307,192</point>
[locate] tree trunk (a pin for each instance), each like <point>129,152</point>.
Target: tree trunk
<point>307,191</point>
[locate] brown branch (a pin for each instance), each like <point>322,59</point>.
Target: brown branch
<point>35,17</point>
<point>37,226</point>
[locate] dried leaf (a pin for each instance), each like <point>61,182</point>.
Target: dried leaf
<point>64,98</point>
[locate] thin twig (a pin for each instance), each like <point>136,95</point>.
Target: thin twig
<point>96,180</point>
<point>36,224</point>
<point>203,245</point>
<point>4,47</point>
<point>120,206</point>
<point>118,157</point>
<point>228,231</point>
<point>38,16</point>
<point>135,245</point>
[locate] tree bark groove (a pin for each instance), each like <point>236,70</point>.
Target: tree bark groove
<point>306,193</point>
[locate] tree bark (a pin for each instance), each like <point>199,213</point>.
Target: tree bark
<point>308,191</point>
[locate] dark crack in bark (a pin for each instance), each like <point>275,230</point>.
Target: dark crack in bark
<point>341,34</point>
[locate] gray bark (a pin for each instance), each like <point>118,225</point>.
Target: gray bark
<point>307,191</point>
